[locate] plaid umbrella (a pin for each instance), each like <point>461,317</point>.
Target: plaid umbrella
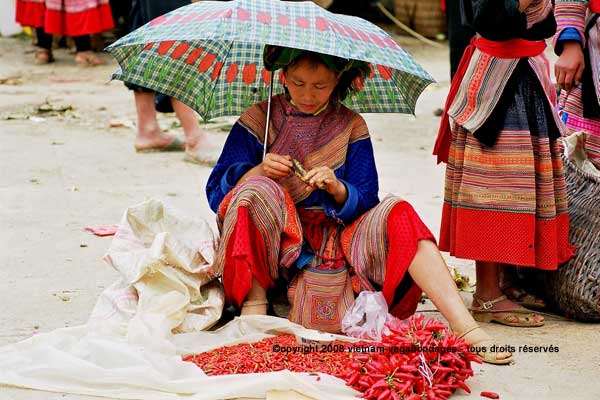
<point>209,55</point>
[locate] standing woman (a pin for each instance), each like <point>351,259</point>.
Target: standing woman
<point>75,18</point>
<point>505,201</point>
<point>578,69</point>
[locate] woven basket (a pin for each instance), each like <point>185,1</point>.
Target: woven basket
<point>575,287</point>
<point>424,16</point>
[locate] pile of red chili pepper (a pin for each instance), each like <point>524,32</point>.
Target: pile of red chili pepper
<point>273,354</point>
<point>439,366</point>
<point>416,359</point>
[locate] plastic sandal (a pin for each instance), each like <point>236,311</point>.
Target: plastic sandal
<point>486,356</point>
<point>523,298</point>
<point>487,313</point>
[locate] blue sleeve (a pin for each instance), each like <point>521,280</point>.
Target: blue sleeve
<point>360,177</point>
<point>241,152</point>
<point>568,34</point>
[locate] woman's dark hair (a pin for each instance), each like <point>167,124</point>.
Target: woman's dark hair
<point>349,82</point>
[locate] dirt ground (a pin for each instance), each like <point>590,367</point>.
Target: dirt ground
<point>64,170</point>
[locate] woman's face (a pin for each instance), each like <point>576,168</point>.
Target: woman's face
<point>310,85</point>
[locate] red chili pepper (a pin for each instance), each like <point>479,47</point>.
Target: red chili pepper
<point>463,386</point>
<point>381,383</point>
<point>490,395</point>
<point>385,395</point>
<point>353,379</point>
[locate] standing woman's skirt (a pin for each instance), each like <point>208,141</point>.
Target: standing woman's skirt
<point>506,201</point>
<point>66,17</point>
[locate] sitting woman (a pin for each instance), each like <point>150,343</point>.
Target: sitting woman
<point>316,226</point>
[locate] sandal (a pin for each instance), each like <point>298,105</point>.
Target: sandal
<point>523,298</point>
<point>482,347</point>
<point>255,307</point>
<point>524,317</point>
<point>43,56</point>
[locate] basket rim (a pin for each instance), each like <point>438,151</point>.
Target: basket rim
<point>585,174</point>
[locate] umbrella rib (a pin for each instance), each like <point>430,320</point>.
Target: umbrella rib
<point>217,79</point>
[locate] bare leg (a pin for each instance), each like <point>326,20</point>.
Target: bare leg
<point>429,271</point>
<point>197,141</point>
<point>149,134</point>
<point>256,301</point>
<point>488,289</point>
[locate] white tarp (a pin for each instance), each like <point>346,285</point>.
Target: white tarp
<point>132,344</point>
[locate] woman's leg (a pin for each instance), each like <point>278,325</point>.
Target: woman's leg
<point>442,291</point>
<point>197,142</point>
<point>391,240</point>
<point>44,44</point>
<point>149,135</point>
<point>260,231</point>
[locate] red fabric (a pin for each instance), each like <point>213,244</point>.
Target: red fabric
<point>442,143</point>
<point>246,257</point>
<point>481,231</point>
<point>443,5</point>
<point>314,225</point>
<point>514,48</point>
<point>404,230</point>
<point>594,6</point>
<point>30,14</point>
<point>62,23</point>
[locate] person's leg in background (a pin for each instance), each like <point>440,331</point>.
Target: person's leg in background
<point>149,136</point>
<point>198,147</point>
<point>44,44</point>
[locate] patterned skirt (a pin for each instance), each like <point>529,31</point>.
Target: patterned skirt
<point>66,17</point>
<point>262,234</point>
<point>506,201</point>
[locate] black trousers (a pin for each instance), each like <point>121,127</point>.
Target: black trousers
<point>44,40</point>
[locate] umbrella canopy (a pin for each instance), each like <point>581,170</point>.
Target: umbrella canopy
<point>209,55</point>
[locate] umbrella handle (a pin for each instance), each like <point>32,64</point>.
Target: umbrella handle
<point>268,115</point>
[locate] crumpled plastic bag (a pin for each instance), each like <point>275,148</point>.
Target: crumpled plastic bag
<point>367,317</point>
<point>165,259</point>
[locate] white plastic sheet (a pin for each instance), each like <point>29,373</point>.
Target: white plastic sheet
<point>132,344</point>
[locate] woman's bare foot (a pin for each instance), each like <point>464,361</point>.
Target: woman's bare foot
<point>43,56</point>
<point>157,140</point>
<point>201,150</point>
<point>484,344</point>
<point>88,59</point>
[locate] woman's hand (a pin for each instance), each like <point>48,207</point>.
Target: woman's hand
<point>326,176</point>
<point>275,166</point>
<point>569,66</point>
